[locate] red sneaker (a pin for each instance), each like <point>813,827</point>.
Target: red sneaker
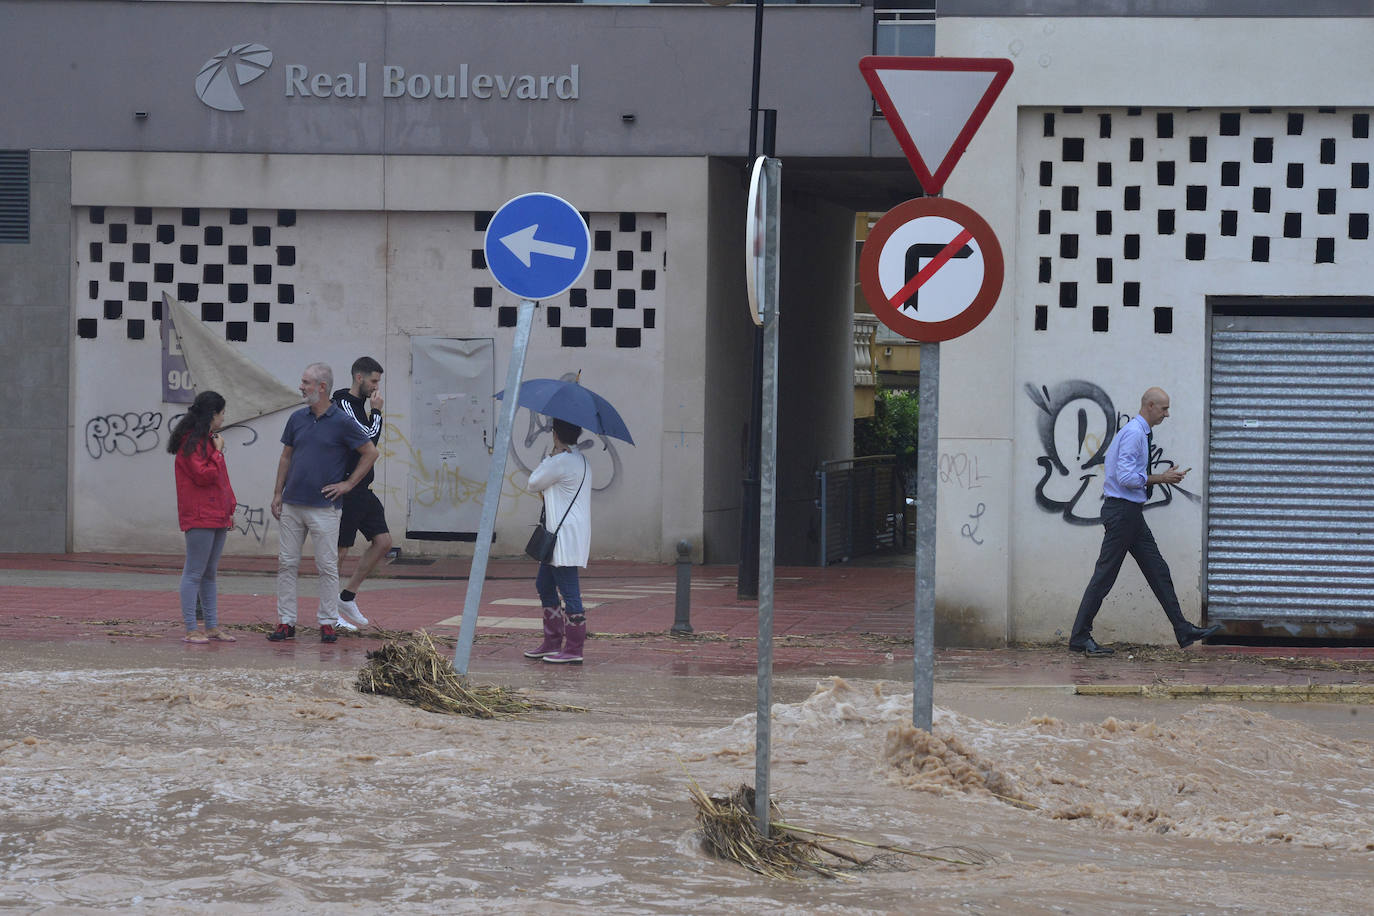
<point>283,631</point>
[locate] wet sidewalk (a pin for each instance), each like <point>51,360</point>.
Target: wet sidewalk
<point>848,620</point>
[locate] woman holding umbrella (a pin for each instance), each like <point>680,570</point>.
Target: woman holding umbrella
<point>562,479</point>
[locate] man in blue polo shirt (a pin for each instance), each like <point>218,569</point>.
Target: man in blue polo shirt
<point>311,479</point>
<point>1127,485</point>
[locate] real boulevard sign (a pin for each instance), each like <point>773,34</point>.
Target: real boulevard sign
<point>934,105</point>
<point>537,245</point>
<point>931,269</point>
<point>221,79</point>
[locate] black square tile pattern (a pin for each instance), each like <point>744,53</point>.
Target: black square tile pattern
<point>1107,189</point>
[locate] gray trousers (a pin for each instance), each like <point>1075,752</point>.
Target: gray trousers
<point>203,549</point>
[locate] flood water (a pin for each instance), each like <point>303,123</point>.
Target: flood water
<point>149,777</point>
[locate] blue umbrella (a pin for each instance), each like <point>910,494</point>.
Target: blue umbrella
<point>570,402</point>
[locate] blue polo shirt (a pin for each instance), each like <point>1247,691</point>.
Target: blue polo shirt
<point>320,447</point>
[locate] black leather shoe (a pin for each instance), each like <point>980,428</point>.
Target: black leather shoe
<point>1090,647</point>
<point>1195,634</point>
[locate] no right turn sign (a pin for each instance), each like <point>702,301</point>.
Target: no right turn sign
<point>931,269</point>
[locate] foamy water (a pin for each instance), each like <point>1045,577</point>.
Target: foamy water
<point>181,786</point>
<point>1219,772</point>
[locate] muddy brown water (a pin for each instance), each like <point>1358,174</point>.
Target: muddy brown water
<point>146,777</point>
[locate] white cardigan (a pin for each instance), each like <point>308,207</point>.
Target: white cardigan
<point>557,477</point>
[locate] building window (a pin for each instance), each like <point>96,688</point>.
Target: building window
<point>901,30</point>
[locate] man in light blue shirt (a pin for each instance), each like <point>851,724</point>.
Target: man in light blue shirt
<point>1127,485</point>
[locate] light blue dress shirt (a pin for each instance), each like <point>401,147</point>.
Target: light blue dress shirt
<point>1128,461</point>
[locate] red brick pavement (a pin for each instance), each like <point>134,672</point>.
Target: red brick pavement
<point>820,619</point>
<point>842,619</point>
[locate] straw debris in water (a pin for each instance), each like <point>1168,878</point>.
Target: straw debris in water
<point>730,831</point>
<point>412,670</point>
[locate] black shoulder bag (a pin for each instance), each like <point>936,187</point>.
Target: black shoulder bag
<point>542,541</point>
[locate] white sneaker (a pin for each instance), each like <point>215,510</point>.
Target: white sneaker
<point>348,611</point>
<point>345,625</point>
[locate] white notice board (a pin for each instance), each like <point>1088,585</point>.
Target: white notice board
<point>452,427</point>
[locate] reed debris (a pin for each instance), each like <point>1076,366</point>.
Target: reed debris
<point>412,670</point>
<point>730,831</point>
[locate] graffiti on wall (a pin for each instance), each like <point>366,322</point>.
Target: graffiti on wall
<point>426,483</point>
<point>252,521</point>
<point>127,433</point>
<point>141,432</point>
<point>133,433</point>
<point>1076,425</point>
<point>536,442</point>
<point>970,528</point>
<point>962,471</point>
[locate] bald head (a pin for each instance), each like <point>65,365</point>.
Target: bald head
<point>1154,405</point>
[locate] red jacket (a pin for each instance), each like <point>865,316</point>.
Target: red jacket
<point>204,497</point>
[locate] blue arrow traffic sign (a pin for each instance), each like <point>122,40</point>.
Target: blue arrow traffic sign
<point>537,245</point>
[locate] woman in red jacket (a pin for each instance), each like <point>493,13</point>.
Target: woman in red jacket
<point>205,505</point>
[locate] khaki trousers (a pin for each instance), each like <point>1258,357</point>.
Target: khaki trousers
<point>322,524</point>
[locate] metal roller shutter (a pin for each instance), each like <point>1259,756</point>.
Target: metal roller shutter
<point>1290,496</point>
<point>14,196</point>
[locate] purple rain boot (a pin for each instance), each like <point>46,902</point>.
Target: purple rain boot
<point>553,634</point>
<point>573,638</point>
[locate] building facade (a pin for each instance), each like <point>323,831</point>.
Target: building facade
<point>1181,190</point>
<point>1184,201</point>
<point>313,198</point>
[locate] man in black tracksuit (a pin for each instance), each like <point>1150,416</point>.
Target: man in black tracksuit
<point>362,510</point>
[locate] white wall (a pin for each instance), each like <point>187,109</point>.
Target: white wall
<point>729,366</point>
<point>1025,578</point>
<point>384,251</point>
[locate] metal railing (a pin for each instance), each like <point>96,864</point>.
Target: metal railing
<point>863,507</point>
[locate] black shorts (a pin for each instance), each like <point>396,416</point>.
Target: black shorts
<point>362,511</point>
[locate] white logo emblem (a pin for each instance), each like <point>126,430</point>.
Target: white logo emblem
<point>238,65</point>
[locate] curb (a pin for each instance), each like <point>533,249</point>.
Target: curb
<point>1282,693</point>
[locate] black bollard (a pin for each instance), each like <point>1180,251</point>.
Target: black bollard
<point>682,617</point>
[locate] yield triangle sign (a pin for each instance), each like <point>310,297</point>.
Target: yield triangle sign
<point>935,105</point>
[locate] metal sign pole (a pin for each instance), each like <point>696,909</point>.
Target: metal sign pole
<point>927,476</point>
<point>496,476</point>
<point>967,86</point>
<point>767,494</point>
